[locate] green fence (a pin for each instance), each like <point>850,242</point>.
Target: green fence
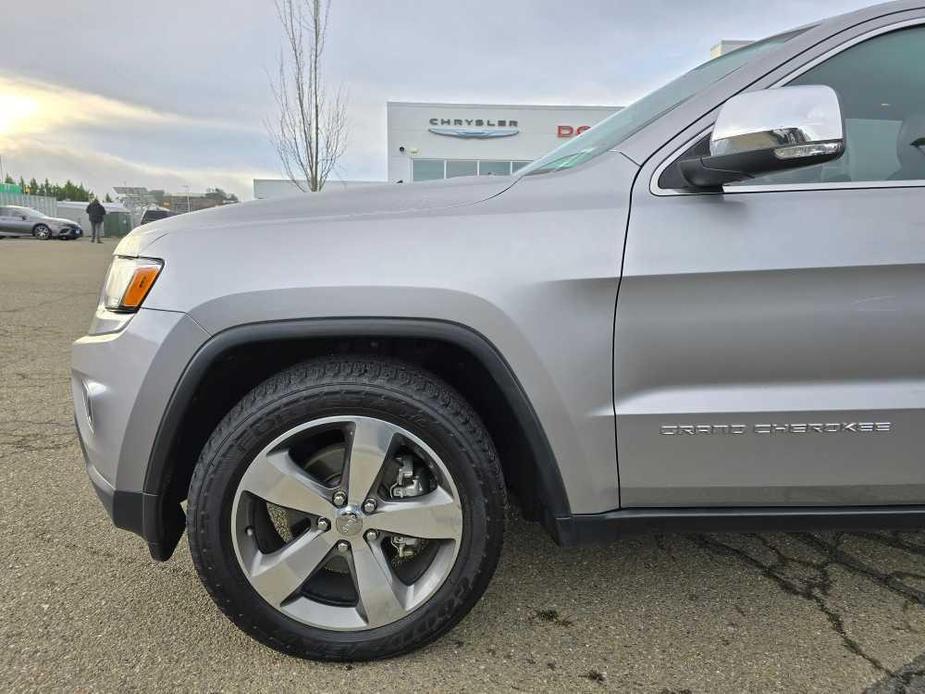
<point>37,202</point>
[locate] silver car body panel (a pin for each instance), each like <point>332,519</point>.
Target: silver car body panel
<point>505,260</point>
<point>720,322</point>
<point>14,222</point>
<point>787,310</point>
<point>765,310</point>
<point>121,383</point>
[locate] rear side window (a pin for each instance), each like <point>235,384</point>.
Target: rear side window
<point>881,86</point>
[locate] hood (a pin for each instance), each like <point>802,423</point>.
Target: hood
<point>368,201</point>
<point>62,220</point>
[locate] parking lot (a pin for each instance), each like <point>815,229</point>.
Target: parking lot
<point>83,607</point>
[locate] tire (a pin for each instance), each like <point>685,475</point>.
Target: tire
<point>41,231</point>
<point>432,434</point>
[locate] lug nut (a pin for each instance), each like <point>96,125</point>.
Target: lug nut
<point>372,535</point>
<point>323,524</point>
<point>339,498</point>
<point>369,506</point>
<point>343,546</point>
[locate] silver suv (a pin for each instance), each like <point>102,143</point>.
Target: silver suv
<point>704,313</point>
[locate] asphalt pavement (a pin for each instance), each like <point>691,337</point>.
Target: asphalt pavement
<point>84,608</point>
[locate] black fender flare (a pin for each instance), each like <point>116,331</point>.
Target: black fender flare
<point>162,521</point>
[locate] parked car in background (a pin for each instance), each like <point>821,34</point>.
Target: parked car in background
<point>25,221</point>
<point>153,214</point>
<point>703,313</point>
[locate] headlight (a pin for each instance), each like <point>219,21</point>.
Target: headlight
<point>128,282</point>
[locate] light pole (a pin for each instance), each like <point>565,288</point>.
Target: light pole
<point>188,209</point>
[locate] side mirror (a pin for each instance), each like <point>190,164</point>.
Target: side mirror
<point>772,130</point>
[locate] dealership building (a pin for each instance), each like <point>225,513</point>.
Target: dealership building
<point>428,141</point>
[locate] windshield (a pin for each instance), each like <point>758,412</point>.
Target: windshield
<point>614,129</point>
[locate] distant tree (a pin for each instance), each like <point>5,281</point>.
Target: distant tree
<point>108,199</point>
<point>310,129</point>
<point>75,192</point>
<point>9,179</point>
<point>69,191</point>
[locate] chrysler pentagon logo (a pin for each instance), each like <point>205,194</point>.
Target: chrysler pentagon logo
<point>473,128</point>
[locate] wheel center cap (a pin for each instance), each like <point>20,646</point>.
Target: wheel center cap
<point>348,522</point>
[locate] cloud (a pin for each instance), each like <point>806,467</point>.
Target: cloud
<point>30,106</point>
<point>29,157</point>
<point>48,131</point>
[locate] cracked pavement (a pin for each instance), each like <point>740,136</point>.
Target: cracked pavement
<point>83,607</point>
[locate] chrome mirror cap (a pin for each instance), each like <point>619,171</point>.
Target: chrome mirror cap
<point>763,132</point>
<point>795,122</point>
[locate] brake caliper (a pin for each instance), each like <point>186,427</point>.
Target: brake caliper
<point>408,484</point>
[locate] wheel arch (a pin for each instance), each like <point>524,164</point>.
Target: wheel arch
<point>237,359</point>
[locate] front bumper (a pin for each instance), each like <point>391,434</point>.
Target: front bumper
<point>70,233</point>
<point>126,509</point>
<point>121,383</point>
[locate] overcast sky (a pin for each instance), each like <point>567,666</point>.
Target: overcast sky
<point>167,93</point>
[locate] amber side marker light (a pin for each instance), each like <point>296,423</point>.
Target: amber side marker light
<point>138,288</point>
<point>128,283</point>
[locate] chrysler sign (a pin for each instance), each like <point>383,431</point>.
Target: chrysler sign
<point>473,128</point>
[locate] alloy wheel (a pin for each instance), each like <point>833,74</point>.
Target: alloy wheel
<point>346,523</point>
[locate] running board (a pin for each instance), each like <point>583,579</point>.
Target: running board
<point>604,527</point>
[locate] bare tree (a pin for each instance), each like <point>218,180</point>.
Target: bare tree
<point>310,131</point>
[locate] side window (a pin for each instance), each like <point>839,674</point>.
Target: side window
<point>881,87</point>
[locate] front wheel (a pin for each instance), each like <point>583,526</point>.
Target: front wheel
<point>347,509</point>
<point>42,232</point>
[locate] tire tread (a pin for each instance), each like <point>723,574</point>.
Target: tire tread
<point>385,383</point>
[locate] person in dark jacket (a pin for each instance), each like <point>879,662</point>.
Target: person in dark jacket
<point>96,212</point>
